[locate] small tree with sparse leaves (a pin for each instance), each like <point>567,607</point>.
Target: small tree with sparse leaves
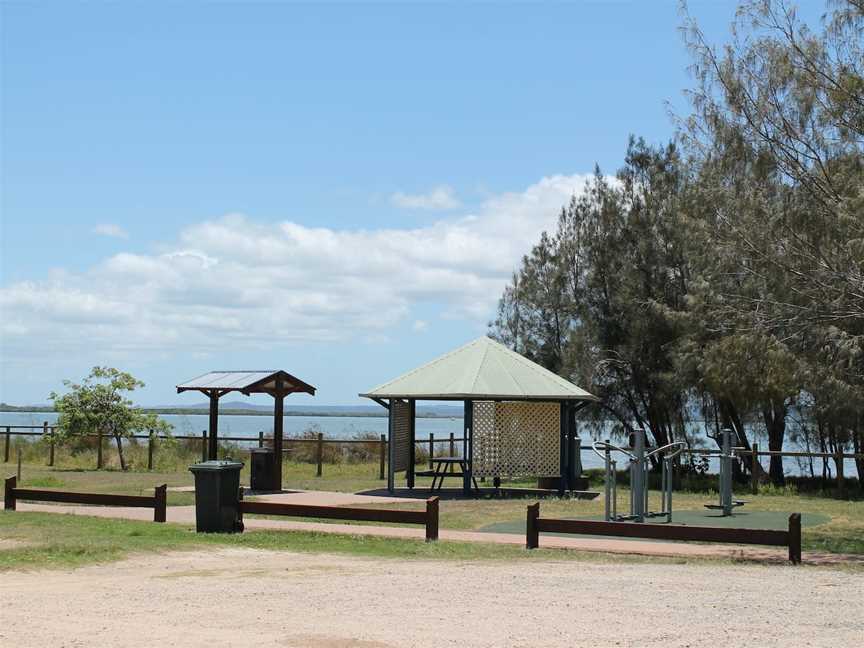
<point>98,405</point>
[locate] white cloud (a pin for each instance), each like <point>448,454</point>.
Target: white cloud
<point>237,282</point>
<point>420,326</point>
<point>111,229</point>
<point>442,197</point>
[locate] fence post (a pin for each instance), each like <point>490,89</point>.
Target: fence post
<point>51,443</point>
<point>6,448</point>
<point>19,463</point>
<point>160,503</point>
<point>382,451</point>
<point>532,536</point>
<point>99,450</point>
<point>754,469</point>
<point>9,493</point>
<point>150,443</point>
<point>431,449</point>
<point>203,445</point>
<point>431,519</point>
<point>320,452</point>
<point>261,438</point>
<point>841,481</point>
<point>795,538</point>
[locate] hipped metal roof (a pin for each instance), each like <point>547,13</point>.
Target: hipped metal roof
<point>480,370</point>
<point>246,382</point>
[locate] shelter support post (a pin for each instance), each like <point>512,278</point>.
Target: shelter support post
<point>563,448</point>
<point>213,442</point>
<point>278,411</point>
<point>412,430</point>
<point>391,449</point>
<point>467,446</point>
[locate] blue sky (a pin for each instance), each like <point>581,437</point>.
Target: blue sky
<point>340,191</point>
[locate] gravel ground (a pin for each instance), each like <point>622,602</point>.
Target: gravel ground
<point>239,597</point>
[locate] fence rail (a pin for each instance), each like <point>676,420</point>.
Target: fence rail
<point>158,502</point>
<point>790,538</point>
<point>752,454</point>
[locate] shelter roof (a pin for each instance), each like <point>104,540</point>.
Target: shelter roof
<point>480,370</point>
<point>246,382</point>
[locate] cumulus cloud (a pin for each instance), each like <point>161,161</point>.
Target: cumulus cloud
<point>234,281</point>
<point>111,229</point>
<point>439,198</point>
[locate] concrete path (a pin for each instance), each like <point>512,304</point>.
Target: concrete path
<point>186,515</point>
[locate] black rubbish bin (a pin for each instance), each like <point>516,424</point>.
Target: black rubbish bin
<point>217,496</point>
<point>263,469</point>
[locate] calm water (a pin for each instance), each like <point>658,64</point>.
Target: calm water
<point>347,427</point>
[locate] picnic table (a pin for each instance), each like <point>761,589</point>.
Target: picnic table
<point>442,467</point>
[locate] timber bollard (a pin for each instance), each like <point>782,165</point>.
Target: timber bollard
<point>320,453</point>
<point>431,519</point>
<point>795,538</point>
<point>532,535</point>
<point>841,481</point>
<point>160,503</point>
<point>150,443</point>
<point>203,445</point>
<point>754,469</point>
<point>382,452</point>
<point>19,464</point>
<point>9,493</point>
<point>6,447</point>
<point>99,451</point>
<point>50,442</point>
<point>431,450</point>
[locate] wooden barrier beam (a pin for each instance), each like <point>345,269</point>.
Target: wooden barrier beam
<point>790,538</point>
<point>333,512</point>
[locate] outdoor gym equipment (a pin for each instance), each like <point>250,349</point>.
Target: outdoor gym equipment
<point>639,457</point>
<point>726,456</point>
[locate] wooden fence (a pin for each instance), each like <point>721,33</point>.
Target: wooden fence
<point>790,538</point>
<point>158,502</point>
<point>452,442</point>
<point>427,518</point>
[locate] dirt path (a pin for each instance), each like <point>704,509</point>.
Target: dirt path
<point>238,597</point>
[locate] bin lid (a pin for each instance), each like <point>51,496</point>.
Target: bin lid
<point>262,451</point>
<point>221,464</point>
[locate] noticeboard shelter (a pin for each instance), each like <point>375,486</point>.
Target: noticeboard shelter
<point>519,418</point>
<point>277,383</point>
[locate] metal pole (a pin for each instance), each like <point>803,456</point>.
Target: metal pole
<point>726,473</point>
<point>614,491</point>
<point>754,470</point>
<point>203,445</point>
<point>637,476</point>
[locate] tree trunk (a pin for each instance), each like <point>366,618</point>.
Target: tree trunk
<point>774,414</point>
<point>117,438</point>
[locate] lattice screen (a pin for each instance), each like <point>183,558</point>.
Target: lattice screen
<point>400,411</point>
<point>516,439</point>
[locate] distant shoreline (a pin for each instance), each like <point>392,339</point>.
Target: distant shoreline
<point>181,411</point>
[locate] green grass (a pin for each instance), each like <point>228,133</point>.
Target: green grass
<point>844,533</point>
<point>52,541</point>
